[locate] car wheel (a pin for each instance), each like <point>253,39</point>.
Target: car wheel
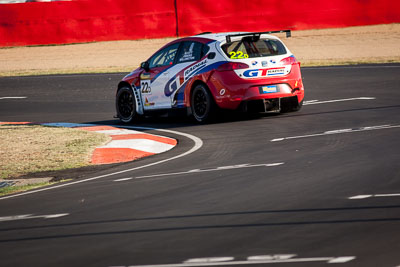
<point>298,107</point>
<point>125,105</point>
<point>290,104</point>
<point>202,104</point>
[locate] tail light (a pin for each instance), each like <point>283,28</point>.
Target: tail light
<point>289,61</point>
<point>232,66</point>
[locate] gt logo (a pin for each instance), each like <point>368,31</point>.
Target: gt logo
<point>263,72</point>
<point>175,85</point>
<point>145,85</point>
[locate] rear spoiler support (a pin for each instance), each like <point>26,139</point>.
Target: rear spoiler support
<point>257,34</point>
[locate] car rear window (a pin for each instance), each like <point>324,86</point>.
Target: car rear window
<point>247,48</point>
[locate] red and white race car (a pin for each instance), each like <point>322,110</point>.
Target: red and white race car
<point>252,71</point>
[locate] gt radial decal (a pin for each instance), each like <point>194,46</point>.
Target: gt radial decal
<point>189,72</point>
<point>256,73</point>
<point>181,90</point>
<point>183,76</point>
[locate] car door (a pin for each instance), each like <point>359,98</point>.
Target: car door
<point>152,82</point>
<point>189,53</point>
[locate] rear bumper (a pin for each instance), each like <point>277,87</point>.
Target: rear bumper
<point>271,105</point>
<point>231,91</point>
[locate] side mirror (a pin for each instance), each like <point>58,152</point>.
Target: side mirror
<point>145,65</point>
<point>211,55</point>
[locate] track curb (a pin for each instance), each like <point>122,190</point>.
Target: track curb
<point>126,145</point>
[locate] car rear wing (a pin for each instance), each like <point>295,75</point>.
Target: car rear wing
<point>256,35</point>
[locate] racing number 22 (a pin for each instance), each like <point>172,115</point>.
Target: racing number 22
<point>238,55</point>
<point>146,89</point>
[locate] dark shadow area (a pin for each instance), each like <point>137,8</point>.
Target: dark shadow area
<point>175,121</point>
<point>170,121</point>
<point>205,227</point>
<point>301,114</point>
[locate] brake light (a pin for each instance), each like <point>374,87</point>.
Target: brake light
<point>232,66</point>
<point>288,61</point>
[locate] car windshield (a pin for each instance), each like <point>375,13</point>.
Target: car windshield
<point>247,48</point>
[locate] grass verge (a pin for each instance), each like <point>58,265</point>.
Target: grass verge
<point>30,149</point>
<point>66,71</point>
<point>304,63</point>
<point>336,62</point>
<point>21,188</point>
<point>16,189</point>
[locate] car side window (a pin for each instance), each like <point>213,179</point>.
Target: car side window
<point>190,51</point>
<point>205,50</point>
<point>164,57</point>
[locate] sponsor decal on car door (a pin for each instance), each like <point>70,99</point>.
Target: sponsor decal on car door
<point>152,90</point>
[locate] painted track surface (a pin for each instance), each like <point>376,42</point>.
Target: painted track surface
<point>299,207</point>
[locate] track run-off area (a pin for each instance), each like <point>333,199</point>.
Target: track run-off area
<point>311,188</point>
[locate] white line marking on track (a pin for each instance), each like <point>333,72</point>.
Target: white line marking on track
<point>214,259</point>
<point>339,131</point>
<point>240,166</point>
<point>315,102</point>
<point>272,257</point>
<point>342,259</point>
<point>123,179</point>
<point>13,97</point>
<point>31,216</point>
<point>376,195</point>
<point>210,262</point>
<point>309,101</point>
<point>198,143</point>
<point>360,197</point>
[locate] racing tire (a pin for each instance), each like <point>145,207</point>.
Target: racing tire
<point>288,105</point>
<point>202,104</point>
<point>298,107</point>
<point>125,105</point>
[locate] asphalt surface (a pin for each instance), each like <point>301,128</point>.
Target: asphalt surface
<point>240,195</point>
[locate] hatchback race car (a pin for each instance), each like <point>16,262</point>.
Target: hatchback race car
<point>251,71</point>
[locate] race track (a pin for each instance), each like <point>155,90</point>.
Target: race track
<point>312,188</point>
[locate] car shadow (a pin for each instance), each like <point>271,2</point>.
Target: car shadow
<point>179,121</point>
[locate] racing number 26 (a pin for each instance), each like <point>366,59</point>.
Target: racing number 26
<point>238,55</point>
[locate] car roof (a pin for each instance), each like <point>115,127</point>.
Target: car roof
<point>221,37</point>
<point>206,38</point>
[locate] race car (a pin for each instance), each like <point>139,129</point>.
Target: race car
<point>251,71</point>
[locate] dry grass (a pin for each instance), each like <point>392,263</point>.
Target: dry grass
<point>16,189</point>
<point>352,45</point>
<point>33,148</point>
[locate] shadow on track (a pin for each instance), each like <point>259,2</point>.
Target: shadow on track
<point>207,227</point>
<point>179,121</point>
<point>176,121</point>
